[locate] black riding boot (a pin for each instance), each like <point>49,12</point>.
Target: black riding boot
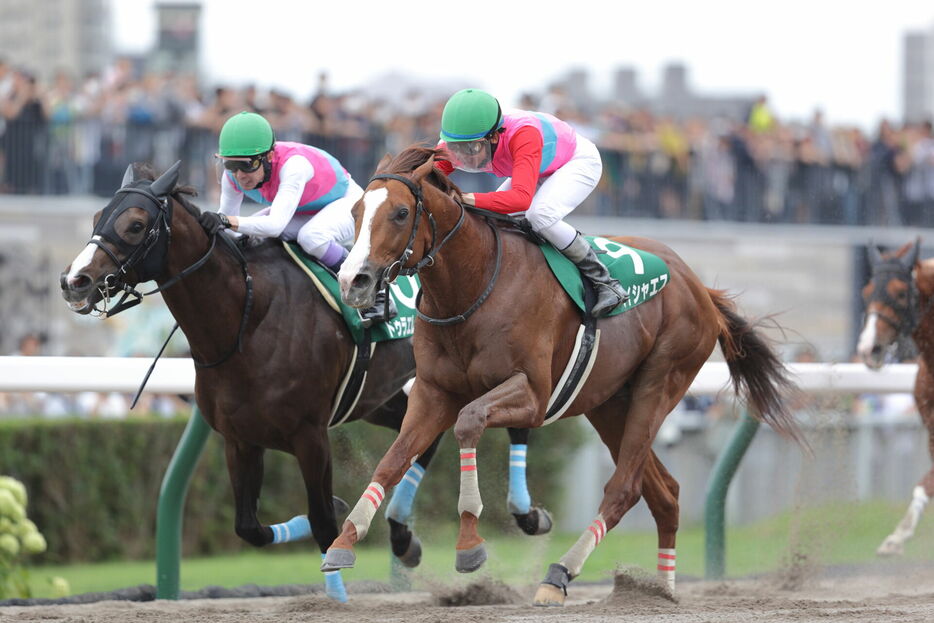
<point>383,309</point>
<point>609,291</point>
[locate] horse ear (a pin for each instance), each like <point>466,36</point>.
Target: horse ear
<point>875,256</point>
<point>129,176</point>
<point>167,181</point>
<point>912,257</point>
<point>383,163</point>
<point>422,171</point>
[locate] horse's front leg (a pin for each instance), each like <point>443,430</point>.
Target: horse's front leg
<point>513,403</point>
<point>430,412</point>
<point>245,467</point>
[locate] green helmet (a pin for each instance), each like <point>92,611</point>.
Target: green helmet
<point>469,115</point>
<point>245,134</point>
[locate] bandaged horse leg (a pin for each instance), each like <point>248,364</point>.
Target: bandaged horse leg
<point>530,519</point>
<point>429,414</point>
<point>510,403</point>
<point>660,491</point>
<point>894,544</point>
<point>621,492</point>
<point>405,545</point>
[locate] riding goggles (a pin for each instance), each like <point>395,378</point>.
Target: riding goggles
<point>247,165</point>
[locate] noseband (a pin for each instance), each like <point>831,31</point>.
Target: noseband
<point>429,258</point>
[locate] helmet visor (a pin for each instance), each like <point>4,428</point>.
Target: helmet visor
<point>471,156</point>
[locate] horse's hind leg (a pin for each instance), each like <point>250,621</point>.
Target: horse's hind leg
<point>245,467</point>
<point>656,390</point>
<point>405,545</point>
<point>659,489</point>
<point>530,519</point>
<point>660,492</point>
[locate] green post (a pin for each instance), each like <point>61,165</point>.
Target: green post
<point>172,505</point>
<point>719,484</point>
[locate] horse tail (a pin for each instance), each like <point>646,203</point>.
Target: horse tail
<point>757,373</point>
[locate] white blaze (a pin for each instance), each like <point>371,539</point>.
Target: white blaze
<point>372,200</point>
<point>82,261</point>
<point>867,339</point>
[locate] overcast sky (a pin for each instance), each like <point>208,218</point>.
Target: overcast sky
<point>842,56</point>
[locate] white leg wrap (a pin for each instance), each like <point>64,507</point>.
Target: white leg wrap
<point>666,567</point>
<point>577,555</point>
<point>362,514</point>
<point>906,528</point>
<point>469,500</point>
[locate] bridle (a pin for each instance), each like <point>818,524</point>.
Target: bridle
<point>908,315</point>
<point>147,259</point>
<point>396,268</point>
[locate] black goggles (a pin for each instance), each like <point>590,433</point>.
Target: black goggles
<point>246,165</point>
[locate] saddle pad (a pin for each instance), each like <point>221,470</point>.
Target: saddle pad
<point>641,274</point>
<point>403,292</point>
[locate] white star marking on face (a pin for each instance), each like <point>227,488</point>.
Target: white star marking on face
<point>82,261</point>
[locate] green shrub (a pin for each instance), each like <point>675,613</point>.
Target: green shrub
<point>19,538</point>
<point>95,484</point>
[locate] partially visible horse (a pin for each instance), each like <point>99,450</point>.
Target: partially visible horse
<point>491,345</point>
<point>270,353</point>
<point>899,301</point>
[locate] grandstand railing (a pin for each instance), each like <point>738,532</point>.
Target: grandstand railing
<point>177,376</point>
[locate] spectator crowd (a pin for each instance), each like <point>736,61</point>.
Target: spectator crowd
<point>75,137</point>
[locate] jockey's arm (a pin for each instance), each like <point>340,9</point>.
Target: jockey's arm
<point>526,149</point>
<point>295,173</point>
<point>231,197</point>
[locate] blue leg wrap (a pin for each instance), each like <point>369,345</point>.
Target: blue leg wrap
<point>519,501</point>
<point>334,585</point>
<point>295,529</point>
<point>403,496</point>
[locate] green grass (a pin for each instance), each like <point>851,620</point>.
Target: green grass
<point>829,535</point>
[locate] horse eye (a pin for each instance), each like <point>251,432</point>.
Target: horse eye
<point>136,227</point>
<point>401,215</point>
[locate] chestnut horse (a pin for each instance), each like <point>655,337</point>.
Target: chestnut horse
<point>490,346</point>
<point>899,299</point>
<point>270,353</point>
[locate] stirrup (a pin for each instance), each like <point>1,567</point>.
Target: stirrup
<point>383,310</point>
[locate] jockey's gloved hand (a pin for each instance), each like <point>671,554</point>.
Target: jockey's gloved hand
<point>213,222</point>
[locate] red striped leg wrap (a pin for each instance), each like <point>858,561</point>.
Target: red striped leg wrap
<point>469,500</point>
<point>589,539</point>
<point>666,566</point>
<point>362,514</point>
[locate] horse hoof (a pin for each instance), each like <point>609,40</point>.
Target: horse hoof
<point>413,555</point>
<point>469,560</point>
<point>341,508</point>
<point>536,521</point>
<point>548,595</point>
<point>890,547</point>
<point>554,588</point>
<point>337,558</point>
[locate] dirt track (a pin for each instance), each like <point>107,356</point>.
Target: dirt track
<point>877,593</point>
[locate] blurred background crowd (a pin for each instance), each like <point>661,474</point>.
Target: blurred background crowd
<point>76,136</point>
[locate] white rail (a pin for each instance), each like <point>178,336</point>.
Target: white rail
<point>177,376</point>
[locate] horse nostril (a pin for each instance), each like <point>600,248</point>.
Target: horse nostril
<point>361,280</point>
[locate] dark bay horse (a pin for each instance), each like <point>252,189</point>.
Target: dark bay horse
<point>899,299</point>
<point>490,346</point>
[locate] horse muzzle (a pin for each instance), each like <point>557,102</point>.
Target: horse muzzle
<point>79,292</point>
<point>359,289</point>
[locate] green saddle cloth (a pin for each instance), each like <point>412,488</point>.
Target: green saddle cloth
<point>641,274</point>
<point>403,292</point>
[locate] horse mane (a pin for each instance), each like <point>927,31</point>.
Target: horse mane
<point>145,171</point>
<point>413,157</point>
